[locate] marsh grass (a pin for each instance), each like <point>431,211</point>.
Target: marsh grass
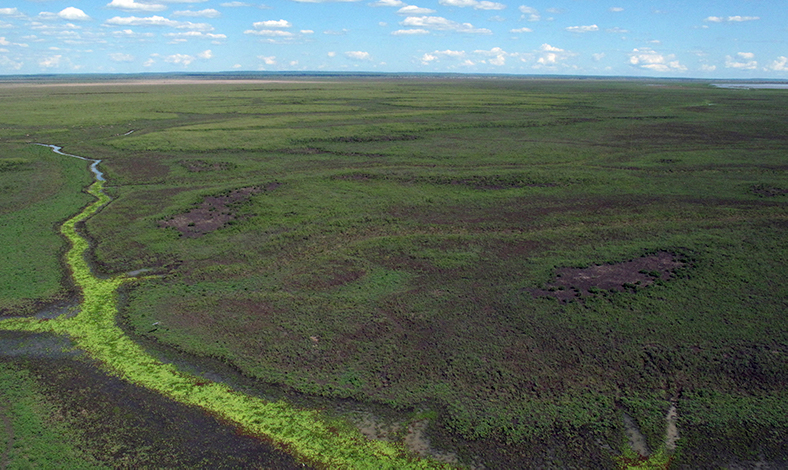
<point>411,222</point>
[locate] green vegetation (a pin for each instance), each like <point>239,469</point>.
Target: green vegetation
<point>38,190</point>
<point>398,231</point>
<point>30,434</point>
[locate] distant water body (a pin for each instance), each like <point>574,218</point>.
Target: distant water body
<point>757,86</point>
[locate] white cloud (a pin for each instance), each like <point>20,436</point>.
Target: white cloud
<point>5,42</point>
<point>325,1</point>
<point>12,12</point>
<point>583,29</point>
<point>388,3</point>
<point>180,37</point>
<point>497,56</point>
<point>273,24</point>
<point>414,10</point>
<point>409,32</point>
<point>779,65</point>
<point>708,68</point>
<point>598,56</point>
<point>131,5</point>
<point>8,63</point>
<point>73,14</point>
<point>158,21</point>
<point>442,24</point>
<point>307,31</point>
<point>731,19</point>
<point>358,55</point>
<point>207,13</point>
<point>332,54</point>
<point>747,62</point>
<point>235,4</point>
<point>273,33</point>
<point>649,59</point>
<point>50,62</point>
<point>737,19</point>
<point>429,57</point>
<point>131,34</point>
<point>121,57</point>
<point>206,54</point>
<point>617,30</point>
<point>475,4</point>
<point>529,13</point>
<point>269,60</point>
<point>615,9</point>
<point>521,30</point>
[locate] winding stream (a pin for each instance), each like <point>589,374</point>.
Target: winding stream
<point>306,434</point>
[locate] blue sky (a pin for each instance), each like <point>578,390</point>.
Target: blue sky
<point>701,39</point>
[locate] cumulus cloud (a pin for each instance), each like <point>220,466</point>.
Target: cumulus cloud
<point>131,5</point>
<point>268,60</point>
<point>475,4</point>
<point>73,14</point>
<point>273,33</point>
<point>414,10</point>
<point>742,61</point>
<point>12,12</point>
<point>180,59</point>
<point>158,21</point>
<point>8,63</point>
<point>181,37</point>
<point>615,9</point>
<point>272,24</point>
<point>496,56</point>
<point>50,62</point>
<point>429,57</point>
<point>779,65</point>
<point>127,33</point>
<point>207,13</point>
<point>358,55</point>
<point>649,59</point>
<point>521,30</point>
<point>409,32</point>
<point>326,1</point>
<point>388,3</point>
<point>582,29</point>
<point>442,24</point>
<point>529,13</point>
<point>235,4</point>
<point>121,57</point>
<point>731,19</point>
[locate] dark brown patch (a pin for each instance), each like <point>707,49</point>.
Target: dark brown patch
<point>213,213</point>
<point>570,283</point>
<point>764,190</point>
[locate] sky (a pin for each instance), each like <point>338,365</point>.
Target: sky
<point>669,38</point>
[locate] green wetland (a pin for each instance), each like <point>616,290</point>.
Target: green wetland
<point>411,272</point>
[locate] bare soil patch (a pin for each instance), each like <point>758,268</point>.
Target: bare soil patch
<point>214,212</point>
<point>571,283</point>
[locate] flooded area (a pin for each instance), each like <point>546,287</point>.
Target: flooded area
<point>753,86</point>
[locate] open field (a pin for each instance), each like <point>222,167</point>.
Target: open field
<point>399,241</point>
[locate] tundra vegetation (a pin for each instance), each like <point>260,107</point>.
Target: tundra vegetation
<point>528,264</point>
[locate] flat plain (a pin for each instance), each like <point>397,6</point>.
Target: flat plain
<point>536,269</point>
